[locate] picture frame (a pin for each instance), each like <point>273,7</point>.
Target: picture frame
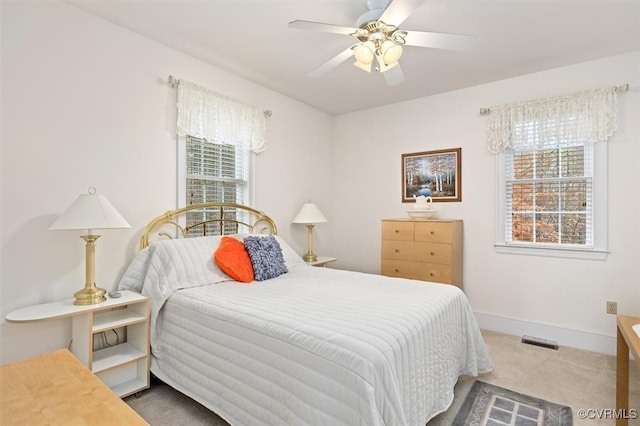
<point>437,174</point>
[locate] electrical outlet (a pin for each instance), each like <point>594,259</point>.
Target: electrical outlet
<point>612,307</point>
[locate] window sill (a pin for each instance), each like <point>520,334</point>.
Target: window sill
<point>553,252</point>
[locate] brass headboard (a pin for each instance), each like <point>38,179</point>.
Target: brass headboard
<point>208,219</point>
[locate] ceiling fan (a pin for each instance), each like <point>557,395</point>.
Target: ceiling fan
<point>380,39</point>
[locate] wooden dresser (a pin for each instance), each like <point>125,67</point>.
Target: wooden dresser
<point>428,250</point>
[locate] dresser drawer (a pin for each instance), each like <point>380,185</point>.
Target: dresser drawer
<point>433,232</point>
<point>417,270</point>
<point>397,231</point>
<point>417,252</point>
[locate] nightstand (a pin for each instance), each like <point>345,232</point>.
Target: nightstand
<point>322,261</point>
<point>124,366</point>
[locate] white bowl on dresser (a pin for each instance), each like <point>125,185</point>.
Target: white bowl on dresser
<point>422,214</point>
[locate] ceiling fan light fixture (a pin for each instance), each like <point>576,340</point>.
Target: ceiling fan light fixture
<point>364,53</point>
<point>383,40</point>
<point>391,52</point>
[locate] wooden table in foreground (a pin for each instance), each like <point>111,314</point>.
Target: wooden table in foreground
<point>56,389</point>
<point>627,340</point>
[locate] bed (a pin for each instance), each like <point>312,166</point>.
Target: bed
<point>309,346</point>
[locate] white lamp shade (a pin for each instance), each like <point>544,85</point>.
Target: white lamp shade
<point>90,211</point>
<point>309,213</point>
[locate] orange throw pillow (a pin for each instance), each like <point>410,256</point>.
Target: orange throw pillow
<point>233,259</point>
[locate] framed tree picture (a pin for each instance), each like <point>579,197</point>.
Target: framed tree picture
<point>436,174</point>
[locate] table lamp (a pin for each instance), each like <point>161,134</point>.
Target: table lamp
<point>90,211</point>
<point>309,215</point>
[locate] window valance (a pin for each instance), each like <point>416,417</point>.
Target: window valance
<point>579,117</point>
<point>203,113</point>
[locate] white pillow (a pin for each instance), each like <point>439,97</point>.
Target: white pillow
<point>291,258</point>
<point>176,263</point>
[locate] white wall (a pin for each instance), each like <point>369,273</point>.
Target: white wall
<point>512,293</point>
<point>86,103</point>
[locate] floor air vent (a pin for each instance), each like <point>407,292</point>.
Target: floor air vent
<point>536,341</point>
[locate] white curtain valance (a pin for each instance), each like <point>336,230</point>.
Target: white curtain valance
<point>579,117</point>
<point>215,117</point>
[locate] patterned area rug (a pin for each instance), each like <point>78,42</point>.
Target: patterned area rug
<point>490,405</point>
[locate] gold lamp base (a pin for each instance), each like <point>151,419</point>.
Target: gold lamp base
<point>89,296</point>
<point>310,256</point>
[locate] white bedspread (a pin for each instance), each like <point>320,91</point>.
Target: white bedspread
<point>313,346</point>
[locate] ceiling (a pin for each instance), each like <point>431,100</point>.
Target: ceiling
<point>251,38</point>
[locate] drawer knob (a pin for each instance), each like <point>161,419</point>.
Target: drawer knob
<point>397,270</point>
<point>431,274</point>
<point>432,253</point>
<point>397,251</point>
<point>396,230</point>
<point>432,232</point>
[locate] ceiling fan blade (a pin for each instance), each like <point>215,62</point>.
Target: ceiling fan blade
<point>319,26</point>
<point>394,76</point>
<point>399,10</point>
<point>332,63</point>
<point>439,40</point>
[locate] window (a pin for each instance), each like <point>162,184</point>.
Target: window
<point>553,199</point>
<point>215,137</point>
<point>213,172</point>
<point>551,174</point>
<point>548,193</point>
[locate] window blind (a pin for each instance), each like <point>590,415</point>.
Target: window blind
<point>549,193</point>
<point>215,172</point>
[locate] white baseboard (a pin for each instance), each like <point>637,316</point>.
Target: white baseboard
<point>563,336</point>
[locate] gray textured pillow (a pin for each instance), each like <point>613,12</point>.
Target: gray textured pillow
<point>266,257</point>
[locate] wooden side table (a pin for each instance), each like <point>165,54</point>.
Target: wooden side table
<point>627,340</point>
<point>322,261</point>
<point>55,388</point>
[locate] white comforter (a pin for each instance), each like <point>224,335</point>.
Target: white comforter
<point>313,346</point>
